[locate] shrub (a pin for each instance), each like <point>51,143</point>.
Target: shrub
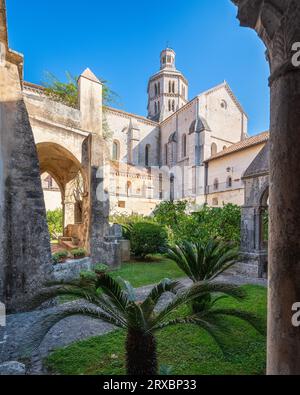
<point>201,226</point>
<point>55,223</point>
<point>101,267</point>
<point>147,238</point>
<point>60,256</point>
<point>78,252</point>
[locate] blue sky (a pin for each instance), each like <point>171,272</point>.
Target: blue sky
<point>121,42</point>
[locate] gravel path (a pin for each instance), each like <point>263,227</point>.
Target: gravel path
<point>20,326</point>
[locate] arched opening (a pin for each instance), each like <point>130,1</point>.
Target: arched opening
<point>60,169</point>
<point>173,105</point>
<point>128,189</point>
<point>216,184</point>
<point>116,151</point>
<point>184,146</point>
<point>147,155</point>
<point>214,149</point>
<point>229,182</point>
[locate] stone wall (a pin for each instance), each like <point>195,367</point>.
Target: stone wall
<point>24,240</point>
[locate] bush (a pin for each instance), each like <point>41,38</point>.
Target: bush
<point>207,223</point>
<point>78,253</point>
<point>127,221</point>
<point>55,223</point>
<point>59,257</point>
<point>147,238</point>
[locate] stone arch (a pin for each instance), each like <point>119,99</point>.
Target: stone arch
<point>65,168</point>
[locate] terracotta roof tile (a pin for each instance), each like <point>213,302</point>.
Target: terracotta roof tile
<point>251,141</point>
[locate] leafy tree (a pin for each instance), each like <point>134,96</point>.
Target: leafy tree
<point>203,262</point>
<point>116,303</point>
<point>55,223</point>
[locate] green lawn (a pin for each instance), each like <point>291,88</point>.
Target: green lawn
<point>150,272</point>
<point>187,349</point>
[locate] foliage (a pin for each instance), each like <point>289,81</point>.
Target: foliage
<point>79,252</point>
<point>60,256</point>
<point>147,238</point>
<point>201,262</point>
<point>116,302</point>
<point>55,223</point>
<point>201,226</point>
<point>127,221</point>
<point>101,268</point>
<point>67,92</point>
<point>188,351</point>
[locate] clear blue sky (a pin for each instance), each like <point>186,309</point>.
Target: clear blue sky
<point>121,41</point>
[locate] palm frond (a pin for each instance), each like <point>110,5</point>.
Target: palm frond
<point>198,290</point>
<point>40,329</point>
<point>113,290</point>
<point>164,286</point>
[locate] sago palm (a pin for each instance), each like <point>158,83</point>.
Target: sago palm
<point>203,262</point>
<point>117,304</point>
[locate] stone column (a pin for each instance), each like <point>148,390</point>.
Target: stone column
<point>90,101</point>
<point>278,25</point>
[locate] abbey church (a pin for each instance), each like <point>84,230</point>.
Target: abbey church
<point>184,149</point>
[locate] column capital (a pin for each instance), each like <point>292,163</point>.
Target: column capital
<point>277,24</point>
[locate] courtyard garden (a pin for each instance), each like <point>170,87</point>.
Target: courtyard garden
<point>182,349</point>
<point>163,323</point>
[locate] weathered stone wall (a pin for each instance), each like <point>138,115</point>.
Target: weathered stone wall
<point>24,239</point>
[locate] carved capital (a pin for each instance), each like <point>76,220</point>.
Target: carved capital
<point>277,22</point>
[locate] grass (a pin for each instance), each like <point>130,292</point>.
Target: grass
<point>149,272</point>
<point>186,348</point>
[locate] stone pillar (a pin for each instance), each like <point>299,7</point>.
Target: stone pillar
<point>134,142</point>
<point>278,25</point>
<point>25,258</point>
<point>90,101</point>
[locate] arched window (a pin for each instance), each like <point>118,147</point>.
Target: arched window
<point>224,147</point>
<point>170,87</point>
<point>155,108</point>
<point>158,106</point>
<point>214,149</point>
<point>229,182</point>
<point>116,151</point>
<point>128,188</point>
<point>216,184</point>
<point>184,146</point>
<point>158,88</point>
<point>155,89</point>
<point>166,154</point>
<point>173,105</point>
<point>183,91</point>
<point>173,87</point>
<point>147,155</point>
<point>224,104</point>
<point>170,106</point>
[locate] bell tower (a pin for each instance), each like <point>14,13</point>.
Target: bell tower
<point>167,89</point>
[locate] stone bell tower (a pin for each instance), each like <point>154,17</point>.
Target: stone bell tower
<point>167,89</point>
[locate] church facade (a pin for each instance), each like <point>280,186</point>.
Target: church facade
<point>163,156</point>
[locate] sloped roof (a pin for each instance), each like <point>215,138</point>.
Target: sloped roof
<point>250,142</point>
<point>260,164</point>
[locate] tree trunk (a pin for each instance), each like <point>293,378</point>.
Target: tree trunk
<point>141,358</point>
